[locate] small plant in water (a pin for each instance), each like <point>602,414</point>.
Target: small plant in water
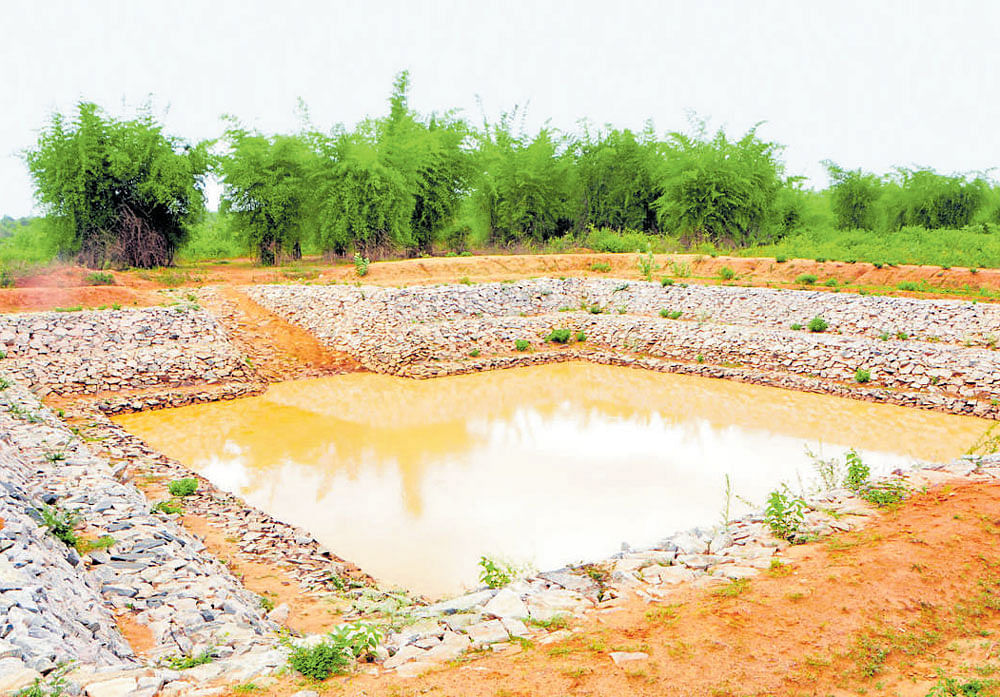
<point>183,487</point>
<point>784,513</point>
<point>857,472</point>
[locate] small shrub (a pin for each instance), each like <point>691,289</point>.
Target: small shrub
<point>818,324</point>
<point>666,281</point>
<point>54,687</point>
<point>580,336</point>
<point>857,472</point>
<point>726,273</point>
<point>5,383</point>
<point>61,523</point>
<point>820,260</point>
<point>73,308</point>
<point>670,314</point>
<point>862,376</point>
<point>903,336</point>
<point>680,270</point>
<point>647,265</point>
<point>952,687</point>
<point>559,336</point>
<point>168,506</point>
<point>699,358</point>
<point>337,651</point>
<point>474,353</point>
<point>907,286</point>
<point>884,493</point>
<point>796,327</point>
<point>806,279</point>
<point>183,487</point>
<point>831,283</point>
<point>780,259</point>
<point>6,278</point>
<point>600,266</point>
<point>465,281</point>
<point>784,513</point>
<point>103,542</point>
<point>100,278</point>
<point>495,573</point>
<point>361,264</point>
<point>521,345</point>
<point>185,661</point>
<point>55,456</point>
<point>733,589</point>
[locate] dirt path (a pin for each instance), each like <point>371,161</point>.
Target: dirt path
<point>278,350</point>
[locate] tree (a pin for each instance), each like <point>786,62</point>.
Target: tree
<point>363,202</point>
<point>617,180</point>
<point>924,198</point>
<point>117,191</point>
<point>430,156</point>
<point>267,190</point>
<point>854,197</point>
<point>525,187</point>
<point>721,189</point>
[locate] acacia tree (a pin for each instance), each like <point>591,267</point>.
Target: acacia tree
<point>117,191</point>
<point>268,193</point>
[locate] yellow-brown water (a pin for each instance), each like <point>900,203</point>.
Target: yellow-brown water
<point>414,480</point>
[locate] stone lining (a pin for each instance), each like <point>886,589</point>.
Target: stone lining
<point>424,331</point>
<point>87,352</point>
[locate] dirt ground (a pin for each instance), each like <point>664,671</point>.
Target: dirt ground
<point>67,286</point>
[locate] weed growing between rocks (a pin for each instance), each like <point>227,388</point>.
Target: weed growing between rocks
<point>558,336</point>
<point>167,506</point>
<point>857,471</point>
<point>666,281</point>
<point>495,573</point>
<point>61,523</point>
<point>183,487</point>
<point>670,314</point>
<point>817,324</point>
<point>54,686</point>
<point>337,652</point>
<point>784,513</point>
<point>861,376</point>
<point>186,661</point>
<point>521,345</point>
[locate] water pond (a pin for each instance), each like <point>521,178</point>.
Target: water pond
<point>415,480</point>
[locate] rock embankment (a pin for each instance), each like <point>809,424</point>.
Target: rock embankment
<point>87,352</point>
<point>426,331</point>
<point>60,601</point>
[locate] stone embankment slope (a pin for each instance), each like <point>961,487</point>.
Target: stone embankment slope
<point>927,353</point>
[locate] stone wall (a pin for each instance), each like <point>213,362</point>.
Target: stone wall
<point>436,330</point>
<point>110,350</point>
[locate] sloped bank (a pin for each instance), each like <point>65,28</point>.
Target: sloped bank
<point>428,331</point>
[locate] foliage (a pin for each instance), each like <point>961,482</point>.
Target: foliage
<point>726,273</point>
<point>183,487</point>
<point>817,324</point>
<point>185,661</point>
<point>854,197</point>
<point>54,686</point>
<point>600,266</point>
<point>336,652</point>
<point>806,279</point>
<point>784,513</point>
<point>924,198</point>
<point>827,469</point>
<point>117,191</point>
<point>581,336</point>
<point>84,545</point>
<point>721,190</point>
<point>885,493</point>
<point>61,523</point>
<point>857,472</point>
<point>495,573</point>
<point>953,687</point>
<point>647,265</point>
<point>267,192</point>
<point>361,265</point>
<point>617,172</point>
<point>522,345</point>
<point>862,375</point>
<point>100,278</point>
<point>670,314</point>
<point>559,336</point>
<point>168,506</point>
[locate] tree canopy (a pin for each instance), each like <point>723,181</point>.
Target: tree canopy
<point>117,191</point>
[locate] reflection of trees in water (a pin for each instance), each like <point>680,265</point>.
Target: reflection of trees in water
<point>368,424</point>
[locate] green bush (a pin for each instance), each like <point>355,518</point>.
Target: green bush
<point>784,513</point>
<point>474,353</point>
<point>61,523</point>
<point>337,651</point>
<point>726,273</point>
<point>183,487</point>
<point>185,661</point>
<point>806,279</point>
<point>885,493</point>
<point>580,336</point>
<point>861,375</point>
<point>857,472</point>
<point>495,573</point>
<point>559,336</point>
<point>796,326</point>
<point>522,345</point>
<point>647,265</point>
<point>100,278</point>
<point>818,324</point>
<point>907,286</point>
<point>360,265</point>
<point>670,314</point>
<point>168,506</point>
<point>600,266</point>
<point>666,281</point>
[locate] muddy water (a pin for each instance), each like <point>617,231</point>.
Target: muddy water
<point>414,480</point>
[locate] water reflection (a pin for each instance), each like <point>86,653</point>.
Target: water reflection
<point>413,480</point>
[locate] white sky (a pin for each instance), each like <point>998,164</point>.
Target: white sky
<point>871,83</point>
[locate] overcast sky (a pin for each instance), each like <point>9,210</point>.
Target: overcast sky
<point>873,83</point>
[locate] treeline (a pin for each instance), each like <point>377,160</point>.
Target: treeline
<point>124,192</point>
